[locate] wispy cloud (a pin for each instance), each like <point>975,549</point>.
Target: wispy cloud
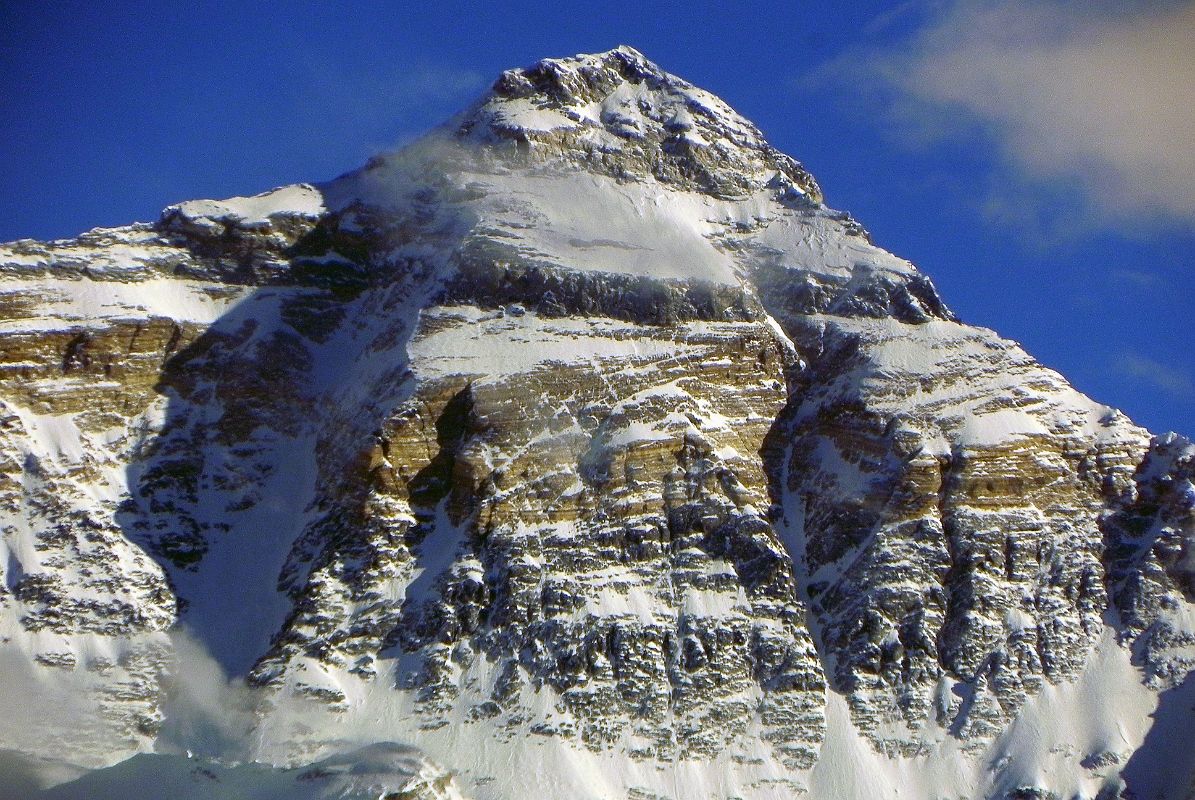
<point>387,106</point>
<point>1136,279</point>
<point>1090,94</point>
<point>1176,383</point>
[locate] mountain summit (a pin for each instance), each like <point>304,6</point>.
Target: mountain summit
<point>575,450</point>
<point>620,114</point>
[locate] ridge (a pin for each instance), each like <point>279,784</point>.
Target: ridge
<point>626,113</point>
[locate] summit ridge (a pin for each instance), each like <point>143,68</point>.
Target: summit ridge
<point>630,117</point>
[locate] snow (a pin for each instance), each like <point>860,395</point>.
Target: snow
<point>55,436</point>
<point>593,223</point>
<point>233,601</point>
<point>522,113</point>
<point>69,303</point>
<point>1105,710</point>
<point>300,199</point>
<point>130,252</point>
<point>487,768</point>
<point>627,110</point>
<point>708,603</point>
<point>628,600</point>
<point>383,769</point>
<point>60,712</point>
<point>466,341</point>
<point>996,427</point>
<point>981,390</point>
<point>818,243</point>
<point>637,432</point>
<point>10,256</point>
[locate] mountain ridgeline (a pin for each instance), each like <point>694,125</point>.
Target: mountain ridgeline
<point>576,450</point>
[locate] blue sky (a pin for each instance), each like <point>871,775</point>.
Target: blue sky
<point>1035,159</point>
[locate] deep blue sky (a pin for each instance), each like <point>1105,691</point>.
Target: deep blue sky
<point>108,112</point>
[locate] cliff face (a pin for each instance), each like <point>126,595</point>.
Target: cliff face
<point>581,446</point>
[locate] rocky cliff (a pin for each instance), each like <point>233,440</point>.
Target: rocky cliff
<point>580,446</point>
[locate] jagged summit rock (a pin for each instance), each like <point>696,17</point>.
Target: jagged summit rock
<point>625,116</point>
<point>582,447</point>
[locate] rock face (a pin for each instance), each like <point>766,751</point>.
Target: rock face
<point>580,445</point>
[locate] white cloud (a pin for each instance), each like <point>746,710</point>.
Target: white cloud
<point>1086,93</point>
<point>1162,377</point>
<point>1136,279</point>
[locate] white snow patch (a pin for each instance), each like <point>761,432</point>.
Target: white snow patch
<point>69,303</point>
<point>300,199</point>
<point>465,341</point>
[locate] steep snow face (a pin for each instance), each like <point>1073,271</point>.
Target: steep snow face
<point>579,446</point>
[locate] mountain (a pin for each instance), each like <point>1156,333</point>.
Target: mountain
<point>577,450</point>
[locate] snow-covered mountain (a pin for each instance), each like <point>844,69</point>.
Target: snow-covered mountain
<point>576,450</point>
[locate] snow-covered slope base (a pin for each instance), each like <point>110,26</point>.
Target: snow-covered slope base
<point>582,451</point>
<point>380,770</point>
